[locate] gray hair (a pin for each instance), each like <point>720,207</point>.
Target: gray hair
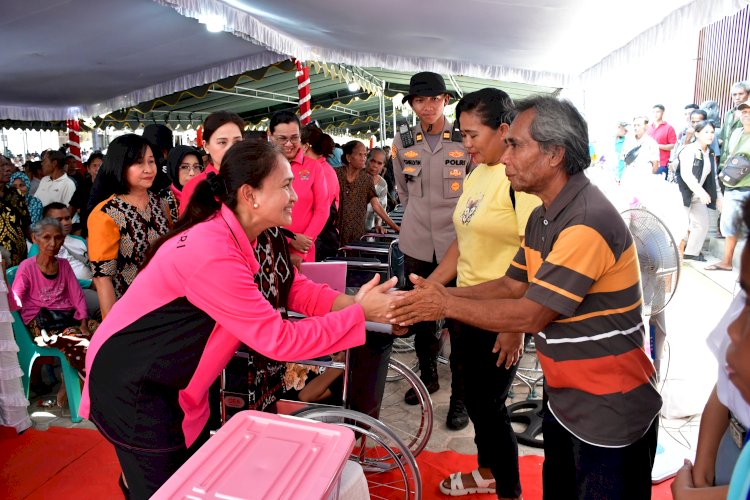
<point>38,227</point>
<point>742,84</point>
<point>558,123</point>
<point>376,150</point>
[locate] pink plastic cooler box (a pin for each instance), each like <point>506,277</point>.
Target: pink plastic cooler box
<point>260,455</point>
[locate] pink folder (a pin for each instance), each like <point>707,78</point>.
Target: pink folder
<point>332,274</point>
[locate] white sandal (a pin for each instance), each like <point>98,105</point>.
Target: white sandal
<point>457,485</point>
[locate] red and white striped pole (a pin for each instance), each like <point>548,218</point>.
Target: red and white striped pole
<point>303,88</point>
<point>74,142</point>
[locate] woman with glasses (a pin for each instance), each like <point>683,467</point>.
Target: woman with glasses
<point>312,209</point>
<point>183,163</point>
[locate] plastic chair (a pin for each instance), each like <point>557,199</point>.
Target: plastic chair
<point>28,351</point>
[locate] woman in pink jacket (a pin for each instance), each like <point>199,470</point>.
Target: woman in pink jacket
<point>151,362</point>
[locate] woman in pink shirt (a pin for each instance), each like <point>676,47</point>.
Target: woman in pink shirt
<point>221,130</point>
<point>52,303</point>
<point>319,146</point>
<point>312,208</point>
<point>195,300</point>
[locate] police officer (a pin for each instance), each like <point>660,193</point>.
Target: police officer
<point>429,165</point>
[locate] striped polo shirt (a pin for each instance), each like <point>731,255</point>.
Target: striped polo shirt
<point>579,259</point>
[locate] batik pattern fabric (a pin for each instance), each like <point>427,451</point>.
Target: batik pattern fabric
<point>265,376</point>
<point>14,217</point>
<point>120,234</point>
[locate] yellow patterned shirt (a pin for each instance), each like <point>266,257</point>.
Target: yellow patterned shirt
<point>488,228</point>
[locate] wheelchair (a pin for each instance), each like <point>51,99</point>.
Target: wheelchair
<point>387,446</point>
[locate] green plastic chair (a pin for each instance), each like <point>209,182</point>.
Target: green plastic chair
<point>28,351</point>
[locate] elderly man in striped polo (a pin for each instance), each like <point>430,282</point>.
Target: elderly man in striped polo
<point>576,282</point>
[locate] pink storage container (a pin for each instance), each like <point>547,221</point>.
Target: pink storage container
<point>260,455</point>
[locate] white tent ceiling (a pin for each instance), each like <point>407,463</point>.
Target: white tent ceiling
<point>65,58</point>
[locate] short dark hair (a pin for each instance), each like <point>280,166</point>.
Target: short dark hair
<point>122,152</point>
<point>283,116</point>
<point>557,123</point>
<point>55,205</point>
<point>660,106</point>
<point>219,118</point>
<point>641,117</point>
<point>692,106</point>
<point>55,156</point>
<point>703,124</point>
<point>493,106</point>
<point>96,155</point>
<point>701,112</point>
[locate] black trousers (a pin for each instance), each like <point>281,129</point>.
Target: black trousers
<point>368,369</point>
<point>146,470</point>
<point>575,469</point>
<point>486,390</point>
<point>426,336</point>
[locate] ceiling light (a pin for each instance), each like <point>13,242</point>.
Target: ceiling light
<point>214,22</point>
<point>353,87</point>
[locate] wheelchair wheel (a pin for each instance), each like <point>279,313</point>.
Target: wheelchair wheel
<point>401,344</point>
<point>413,424</point>
<point>390,468</point>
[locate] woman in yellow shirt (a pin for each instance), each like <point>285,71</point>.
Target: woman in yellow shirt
<point>490,220</point>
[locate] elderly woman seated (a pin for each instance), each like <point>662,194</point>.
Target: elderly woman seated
<point>52,303</point>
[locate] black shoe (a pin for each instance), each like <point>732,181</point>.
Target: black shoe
<point>429,375</point>
<point>699,257</point>
<point>458,417</point>
<point>411,397</point>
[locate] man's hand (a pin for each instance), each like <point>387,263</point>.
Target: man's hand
<point>427,302</point>
<point>379,229</point>
<point>509,347</point>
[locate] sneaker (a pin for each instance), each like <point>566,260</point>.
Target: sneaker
<point>458,417</point>
<point>411,397</point>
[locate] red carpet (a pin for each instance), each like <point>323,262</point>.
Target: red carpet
<point>81,464</point>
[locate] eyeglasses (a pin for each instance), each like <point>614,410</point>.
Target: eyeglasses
<point>198,169</point>
<point>280,139</point>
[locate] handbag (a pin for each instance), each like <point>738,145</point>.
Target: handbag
<point>632,155</point>
<point>735,170</point>
<point>55,319</point>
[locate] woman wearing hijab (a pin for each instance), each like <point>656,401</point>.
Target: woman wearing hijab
<point>22,184</point>
<point>183,163</point>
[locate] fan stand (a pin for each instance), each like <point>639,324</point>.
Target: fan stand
<point>531,413</point>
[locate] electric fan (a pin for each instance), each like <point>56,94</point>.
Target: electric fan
<point>659,260</point>
<point>658,256</point>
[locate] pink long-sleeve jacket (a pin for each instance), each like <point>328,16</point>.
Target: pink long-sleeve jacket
<point>163,344</point>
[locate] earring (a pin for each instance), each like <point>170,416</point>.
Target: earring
<point>255,205</point>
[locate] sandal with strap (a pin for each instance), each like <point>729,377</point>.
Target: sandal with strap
<point>457,488</point>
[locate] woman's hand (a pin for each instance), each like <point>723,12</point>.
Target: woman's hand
<point>301,243</point>
<point>85,326</point>
<point>509,347</point>
<point>375,299</point>
<point>683,481</point>
<point>380,229</point>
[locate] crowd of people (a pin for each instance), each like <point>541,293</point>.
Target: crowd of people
<point>116,260</point>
